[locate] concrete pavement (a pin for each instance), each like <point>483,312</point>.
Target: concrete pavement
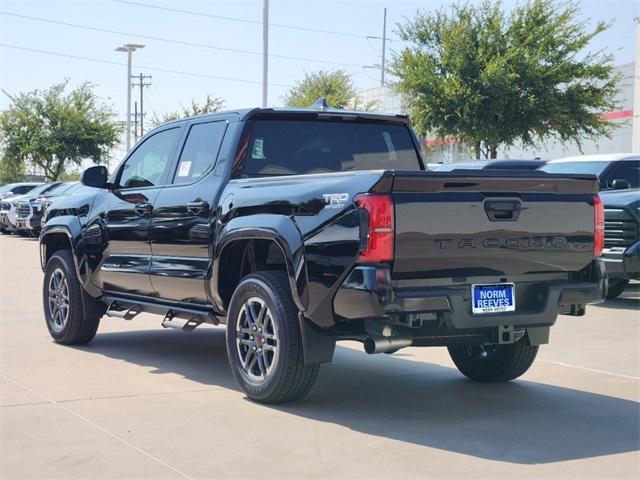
<point>144,402</point>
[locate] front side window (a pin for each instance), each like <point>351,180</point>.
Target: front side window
<point>147,165</point>
<point>628,170</point>
<point>290,147</point>
<point>200,151</point>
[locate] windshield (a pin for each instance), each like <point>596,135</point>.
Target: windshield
<point>290,147</point>
<point>44,188</point>
<point>592,168</point>
<point>65,188</point>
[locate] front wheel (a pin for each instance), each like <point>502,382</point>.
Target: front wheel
<point>72,315</point>
<point>494,363</point>
<point>264,346</point>
<point>616,287</point>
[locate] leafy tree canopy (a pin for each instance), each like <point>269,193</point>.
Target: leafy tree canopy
<point>55,131</point>
<point>336,86</point>
<point>492,78</point>
<point>211,104</point>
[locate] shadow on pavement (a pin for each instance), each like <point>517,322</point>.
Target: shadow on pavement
<point>521,422</point>
<point>629,299</point>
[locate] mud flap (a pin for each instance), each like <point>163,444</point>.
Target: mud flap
<point>317,346</point>
<point>538,335</point>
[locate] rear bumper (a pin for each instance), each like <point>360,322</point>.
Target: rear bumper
<point>364,295</point>
<point>624,264</point>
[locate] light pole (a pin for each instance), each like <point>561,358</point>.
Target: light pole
<point>129,48</point>
<point>265,51</point>
<point>635,124</point>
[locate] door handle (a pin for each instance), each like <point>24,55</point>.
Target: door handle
<point>197,207</point>
<point>143,209</point>
<point>503,210</point>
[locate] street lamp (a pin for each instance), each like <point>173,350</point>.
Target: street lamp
<point>129,48</point>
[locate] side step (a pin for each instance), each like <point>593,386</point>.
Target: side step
<point>190,325</point>
<point>125,312</point>
<point>178,317</point>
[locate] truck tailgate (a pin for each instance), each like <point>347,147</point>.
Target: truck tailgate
<point>460,224</point>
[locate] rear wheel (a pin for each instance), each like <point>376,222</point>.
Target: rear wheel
<point>616,287</point>
<point>72,315</point>
<point>494,363</point>
<point>264,346</point>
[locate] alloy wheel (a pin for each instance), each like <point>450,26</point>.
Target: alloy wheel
<point>256,339</point>
<point>58,300</point>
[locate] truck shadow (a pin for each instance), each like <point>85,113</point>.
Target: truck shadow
<point>629,299</point>
<point>390,396</point>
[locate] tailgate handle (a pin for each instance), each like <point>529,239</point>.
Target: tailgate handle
<point>503,210</point>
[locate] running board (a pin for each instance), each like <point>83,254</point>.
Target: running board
<point>191,317</point>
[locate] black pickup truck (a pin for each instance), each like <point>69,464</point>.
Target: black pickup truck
<point>298,228</point>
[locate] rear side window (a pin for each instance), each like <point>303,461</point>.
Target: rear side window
<point>288,147</point>
<point>200,151</point>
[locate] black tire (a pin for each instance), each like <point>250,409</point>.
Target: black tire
<point>4,231</point>
<point>288,378</point>
<point>494,363</point>
<point>616,287</point>
<point>83,314</point>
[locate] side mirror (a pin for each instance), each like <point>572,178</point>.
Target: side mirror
<point>95,177</point>
<point>620,184</point>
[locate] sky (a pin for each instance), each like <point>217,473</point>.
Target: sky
<point>321,35</point>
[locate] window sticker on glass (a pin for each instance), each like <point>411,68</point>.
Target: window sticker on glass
<point>183,171</point>
<point>258,149</point>
<point>393,156</point>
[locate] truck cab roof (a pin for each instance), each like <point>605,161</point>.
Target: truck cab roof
<point>245,114</point>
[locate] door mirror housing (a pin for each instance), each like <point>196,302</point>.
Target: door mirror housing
<point>620,184</point>
<point>95,177</point>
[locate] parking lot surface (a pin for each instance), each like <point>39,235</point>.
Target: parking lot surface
<point>144,402</point>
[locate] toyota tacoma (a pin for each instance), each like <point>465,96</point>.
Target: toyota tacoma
<point>300,228</point>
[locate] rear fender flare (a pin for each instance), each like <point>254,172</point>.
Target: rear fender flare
<point>277,228</point>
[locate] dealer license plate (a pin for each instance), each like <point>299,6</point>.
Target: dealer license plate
<point>494,298</point>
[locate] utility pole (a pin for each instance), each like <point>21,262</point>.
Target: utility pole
<point>129,48</point>
<point>265,50</point>
<point>141,83</point>
<point>135,122</point>
<point>384,47</point>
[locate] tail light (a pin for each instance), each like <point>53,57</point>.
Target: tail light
<point>598,233</point>
<point>379,244</point>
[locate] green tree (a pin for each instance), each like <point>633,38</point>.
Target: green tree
<point>336,86</point>
<point>11,170</point>
<point>210,105</point>
<point>55,131</point>
<point>492,78</point>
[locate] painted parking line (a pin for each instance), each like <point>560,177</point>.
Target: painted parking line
<point>102,429</point>
<point>595,370</point>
